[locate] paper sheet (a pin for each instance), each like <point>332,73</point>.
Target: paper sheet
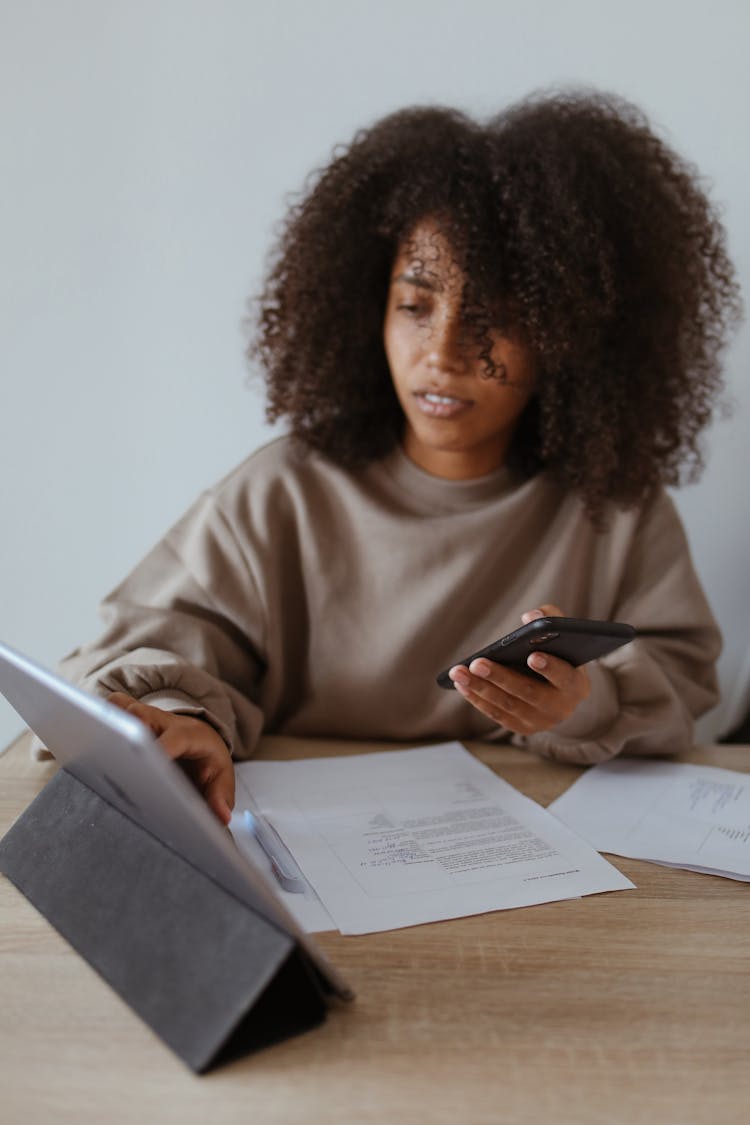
<point>397,838</point>
<point>306,909</point>
<point>674,813</point>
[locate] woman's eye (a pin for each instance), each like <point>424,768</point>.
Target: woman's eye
<point>412,310</point>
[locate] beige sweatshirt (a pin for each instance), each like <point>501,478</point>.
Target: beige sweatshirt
<point>300,598</point>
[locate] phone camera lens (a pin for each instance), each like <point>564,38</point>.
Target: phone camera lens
<point>543,639</point>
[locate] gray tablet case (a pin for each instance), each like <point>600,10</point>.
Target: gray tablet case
<point>213,975</point>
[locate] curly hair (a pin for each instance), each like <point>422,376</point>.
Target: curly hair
<point>575,225</point>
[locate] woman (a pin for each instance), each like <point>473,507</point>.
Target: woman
<point>494,346</point>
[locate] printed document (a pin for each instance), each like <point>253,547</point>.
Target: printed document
<point>674,813</point>
<point>306,908</point>
<point>401,837</point>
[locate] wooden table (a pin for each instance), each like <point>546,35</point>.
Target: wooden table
<point>629,1007</point>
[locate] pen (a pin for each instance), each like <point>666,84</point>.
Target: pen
<point>283,866</point>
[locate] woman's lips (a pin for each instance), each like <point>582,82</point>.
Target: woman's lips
<point>441,406</point>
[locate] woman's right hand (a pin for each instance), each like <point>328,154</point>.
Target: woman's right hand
<point>195,745</point>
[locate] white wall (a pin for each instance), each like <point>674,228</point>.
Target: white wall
<point>147,149</point>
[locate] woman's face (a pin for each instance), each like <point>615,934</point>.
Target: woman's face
<point>459,423</point>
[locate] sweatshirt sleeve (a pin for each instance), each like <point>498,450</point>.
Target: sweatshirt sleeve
<point>185,630</point>
<point>646,695</point>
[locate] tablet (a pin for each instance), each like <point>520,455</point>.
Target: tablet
<point>116,755</point>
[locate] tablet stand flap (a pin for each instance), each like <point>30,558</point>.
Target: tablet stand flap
<point>211,977</point>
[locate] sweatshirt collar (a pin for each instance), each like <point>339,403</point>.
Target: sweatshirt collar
<point>439,494</point>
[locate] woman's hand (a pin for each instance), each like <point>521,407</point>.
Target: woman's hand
<point>195,745</point>
<point>516,701</point>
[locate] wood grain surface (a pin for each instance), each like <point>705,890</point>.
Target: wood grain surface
<point>626,1007</point>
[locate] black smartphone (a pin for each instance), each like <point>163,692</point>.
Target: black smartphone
<point>574,639</point>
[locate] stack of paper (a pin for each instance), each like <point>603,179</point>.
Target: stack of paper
<point>403,837</point>
<point>681,815</point>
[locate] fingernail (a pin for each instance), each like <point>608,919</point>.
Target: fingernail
<point>223,810</point>
<point>459,675</point>
<point>480,668</point>
<point>537,660</point>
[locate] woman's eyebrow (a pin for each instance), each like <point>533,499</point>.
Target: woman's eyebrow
<point>419,280</point>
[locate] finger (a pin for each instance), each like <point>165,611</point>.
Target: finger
<point>507,713</point>
<point>120,699</point>
<point>547,610</point>
<point>561,675</point>
<point>486,676</point>
<point>207,756</point>
<point>535,702</point>
<point>491,696</point>
<point>154,718</point>
<point>501,689</point>
<point>214,777</point>
<point>220,798</point>
<point>195,742</point>
<point>476,681</point>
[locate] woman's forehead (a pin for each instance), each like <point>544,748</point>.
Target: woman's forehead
<point>427,254</point>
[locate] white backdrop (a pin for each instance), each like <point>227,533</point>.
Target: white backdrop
<point>147,151</point>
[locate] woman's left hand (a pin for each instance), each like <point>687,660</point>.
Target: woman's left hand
<point>518,702</point>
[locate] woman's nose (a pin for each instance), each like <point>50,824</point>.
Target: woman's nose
<point>447,344</point>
